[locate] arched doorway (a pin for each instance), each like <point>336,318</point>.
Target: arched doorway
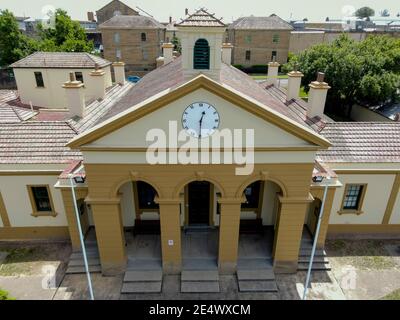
<point>141,222</point>
<point>259,220</point>
<point>200,225</point>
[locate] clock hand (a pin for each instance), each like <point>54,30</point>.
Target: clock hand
<point>201,121</point>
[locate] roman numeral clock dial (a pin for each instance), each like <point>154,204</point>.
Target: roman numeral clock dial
<point>200,120</point>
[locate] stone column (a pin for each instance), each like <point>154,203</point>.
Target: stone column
<point>119,72</point>
<point>170,235</point>
<point>110,235</point>
<point>229,234</point>
<point>288,235</point>
<point>327,211</point>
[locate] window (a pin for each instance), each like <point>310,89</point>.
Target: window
<point>274,56</point>
<point>248,55</point>
<point>275,38</point>
<point>79,76</point>
<point>118,54</point>
<point>146,194</point>
<point>117,38</point>
<point>41,201</point>
<point>143,36</point>
<point>145,54</point>
<point>353,198</point>
<point>247,39</point>
<point>116,13</point>
<point>39,79</point>
<point>201,55</point>
<point>252,194</point>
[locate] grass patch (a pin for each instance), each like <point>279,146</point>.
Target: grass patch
<point>21,261</point>
<point>395,295</point>
<point>303,93</point>
<point>5,296</point>
<point>361,254</point>
<point>263,76</point>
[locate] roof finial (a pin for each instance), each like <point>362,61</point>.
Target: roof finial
<point>96,66</point>
<point>296,66</point>
<point>320,77</point>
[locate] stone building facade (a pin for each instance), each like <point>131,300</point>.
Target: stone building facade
<point>114,8</point>
<point>134,39</point>
<point>257,40</point>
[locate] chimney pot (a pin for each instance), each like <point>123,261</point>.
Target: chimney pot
<point>72,77</point>
<point>170,19</point>
<point>186,11</point>
<point>320,77</point>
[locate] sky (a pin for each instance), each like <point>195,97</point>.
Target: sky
<point>314,10</point>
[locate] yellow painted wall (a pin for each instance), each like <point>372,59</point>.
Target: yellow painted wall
<point>16,200</point>
<point>375,200</point>
<point>52,95</point>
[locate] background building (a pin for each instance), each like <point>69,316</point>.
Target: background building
<point>257,40</point>
<point>114,8</point>
<point>134,39</point>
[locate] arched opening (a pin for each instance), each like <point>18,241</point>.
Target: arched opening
<point>141,222</point>
<point>258,223</point>
<point>201,55</point>
<point>200,225</point>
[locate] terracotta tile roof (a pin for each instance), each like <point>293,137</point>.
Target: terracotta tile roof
<point>131,22</point>
<point>201,18</point>
<point>273,22</point>
<point>170,76</point>
<point>36,142</point>
<point>361,142</point>
<point>11,108</point>
<point>81,60</point>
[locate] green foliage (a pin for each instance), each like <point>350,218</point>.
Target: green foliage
<point>177,44</point>
<point>13,44</point>
<point>365,12</point>
<point>366,71</point>
<point>4,295</point>
<point>65,35</point>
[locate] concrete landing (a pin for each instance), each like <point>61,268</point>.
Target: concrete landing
<point>76,263</point>
<point>199,286</point>
<point>199,281</point>
<point>244,275</point>
<point>139,276</point>
<point>141,287</point>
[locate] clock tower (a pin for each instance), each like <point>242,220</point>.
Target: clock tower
<point>201,35</point>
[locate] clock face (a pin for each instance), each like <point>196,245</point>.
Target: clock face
<point>200,119</point>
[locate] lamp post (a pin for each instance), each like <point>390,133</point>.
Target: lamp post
<point>316,235</point>
<point>78,222</point>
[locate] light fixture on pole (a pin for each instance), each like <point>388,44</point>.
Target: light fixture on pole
<point>316,235</point>
<point>78,223</point>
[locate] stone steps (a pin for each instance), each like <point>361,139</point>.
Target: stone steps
<point>142,281</point>
<point>316,266</point>
<point>258,286</point>
<point>76,264</point>
<point>200,281</point>
<point>320,262</point>
<point>256,280</point>
<point>249,275</point>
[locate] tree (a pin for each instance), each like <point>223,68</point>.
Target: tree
<point>364,12</point>
<point>65,35</point>
<point>367,72</point>
<point>177,43</point>
<point>13,44</point>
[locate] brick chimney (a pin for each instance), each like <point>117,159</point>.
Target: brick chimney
<point>119,72</point>
<point>227,53</point>
<point>294,83</point>
<point>317,96</point>
<point>97,78</point>
<point>273,68</point>
<point>75,97</point>
<point>168,49</point>
<point>90,16</point>
<point>186,11</point>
